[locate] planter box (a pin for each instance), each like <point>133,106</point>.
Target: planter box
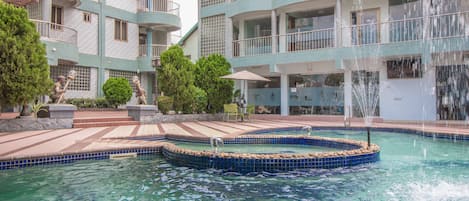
<point>58,111</point>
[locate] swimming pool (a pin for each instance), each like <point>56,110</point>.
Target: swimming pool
<point>412,167</point>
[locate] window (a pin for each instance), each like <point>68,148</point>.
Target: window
<point>87,17</point>
<point>57,17</point>
<point>120,30</point>
<point>404,68</point>
<point>82,82</point>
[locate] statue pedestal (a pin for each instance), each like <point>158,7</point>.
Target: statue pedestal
<point>58,111</point>
<point>141,112</point>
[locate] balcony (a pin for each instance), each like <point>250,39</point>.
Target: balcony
<point>162,14</point>
<point>56,32</point>
<point>60,40</point>
<point>453,25</point>
<point>156,50</point>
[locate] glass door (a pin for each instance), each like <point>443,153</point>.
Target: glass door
<point>365,28</point>
<point>452,92</point>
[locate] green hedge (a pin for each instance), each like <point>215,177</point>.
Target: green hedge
<point>165,104</point>
<point>89,103</point>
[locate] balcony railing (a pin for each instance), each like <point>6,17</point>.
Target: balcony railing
<point>56,32</point>
<point>166,6</point>
<point>156,50</point>
<point>415,29</point>
<point>308,40</point>
<point>252,46</point>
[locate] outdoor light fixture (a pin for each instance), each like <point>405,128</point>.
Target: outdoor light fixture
<point>156,62</point>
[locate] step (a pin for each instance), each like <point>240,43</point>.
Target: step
<point>105,124</point>
<point>96,120</point>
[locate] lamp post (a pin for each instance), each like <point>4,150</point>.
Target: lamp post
<point>156,63</point>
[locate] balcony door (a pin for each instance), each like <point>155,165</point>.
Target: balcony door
<point>365,28</point>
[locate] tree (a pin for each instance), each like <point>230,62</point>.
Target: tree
<point>117,91</point>
<point>208,72</point>
<point>176,78</point>
<point>24,72</point>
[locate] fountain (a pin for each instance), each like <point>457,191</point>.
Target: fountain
<point>216,142</point>
<point>308,129</point>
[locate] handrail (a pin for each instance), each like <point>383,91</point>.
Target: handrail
<point>55,31</point>
<point>448,25</point>
<point>166,6</point>
<point>157,49</point>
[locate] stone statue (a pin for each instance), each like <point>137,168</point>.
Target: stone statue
<point>58,92</point>
<point>140,93</point>
<point>58,89</point>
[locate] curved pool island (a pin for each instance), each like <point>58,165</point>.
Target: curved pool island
<point>337,153</point>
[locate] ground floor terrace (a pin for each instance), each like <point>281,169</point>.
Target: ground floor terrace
<point>39,143</point>
<point>407,87</point>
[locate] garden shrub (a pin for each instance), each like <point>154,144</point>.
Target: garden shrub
<point>117,91</point>
<point>200,100</point>
<point>165,104</point>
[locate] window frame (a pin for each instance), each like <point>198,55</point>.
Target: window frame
<point>55,24</point>
<point>87,17</point>
<point>121,30</point>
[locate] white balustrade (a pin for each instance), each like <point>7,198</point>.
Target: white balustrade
<point>308,40</point>
<point>157,49</point>
<point>166,6</point>
<point>437,26</point>
<point>56,32</point>
<point>252,46</point>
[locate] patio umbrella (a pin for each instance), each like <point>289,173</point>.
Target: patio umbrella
<point>245,76</point>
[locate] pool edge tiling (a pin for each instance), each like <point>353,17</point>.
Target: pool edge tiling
<point>355,153</point>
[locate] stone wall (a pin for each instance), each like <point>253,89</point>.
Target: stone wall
<point>26,124</point>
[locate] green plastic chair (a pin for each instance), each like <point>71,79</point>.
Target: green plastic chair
<point>250,109</point>
<point>230,110</point>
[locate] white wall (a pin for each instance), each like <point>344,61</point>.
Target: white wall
<point>191,46</point>
<point>87,32</point>
<point>128,5</point>
<point>121,49</point>
<point>408,99</point>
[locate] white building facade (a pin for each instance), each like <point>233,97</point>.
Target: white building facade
<point>414,55</point>
<point>104,38</point>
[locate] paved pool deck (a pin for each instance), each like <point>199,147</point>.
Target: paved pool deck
<point>50,142</point>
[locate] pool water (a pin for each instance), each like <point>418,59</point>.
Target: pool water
<point>411,168</point>
<point>257,148</point>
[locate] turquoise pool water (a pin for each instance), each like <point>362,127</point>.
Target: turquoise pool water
<point>411,168</point>
<point>257,148</point>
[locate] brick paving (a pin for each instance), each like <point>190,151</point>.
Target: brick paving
<point>35,143</point>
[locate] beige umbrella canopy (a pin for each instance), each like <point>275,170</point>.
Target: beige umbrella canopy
<point>245,75</point>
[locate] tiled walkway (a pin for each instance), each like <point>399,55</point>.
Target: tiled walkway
<point>32,143</point>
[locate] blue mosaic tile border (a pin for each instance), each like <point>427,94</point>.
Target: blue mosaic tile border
<point>245,165</point>
<point>449,136</point>
<point>279,140</point>
<point>70,158</point>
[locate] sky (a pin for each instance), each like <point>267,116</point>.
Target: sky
<point>189,16</point>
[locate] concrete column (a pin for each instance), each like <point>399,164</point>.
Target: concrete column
<point>338,23</point>
<point>284,95</point>
<point>241,38</point>
<point>228,37</point>
<point>149,44</point>
<point>348,94</point>
<point>426,8</point>
<point>101,46</point>
<point>282,32</point>
<point>150,5</point>
<point>274,31</point>
<point>46,10</point>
